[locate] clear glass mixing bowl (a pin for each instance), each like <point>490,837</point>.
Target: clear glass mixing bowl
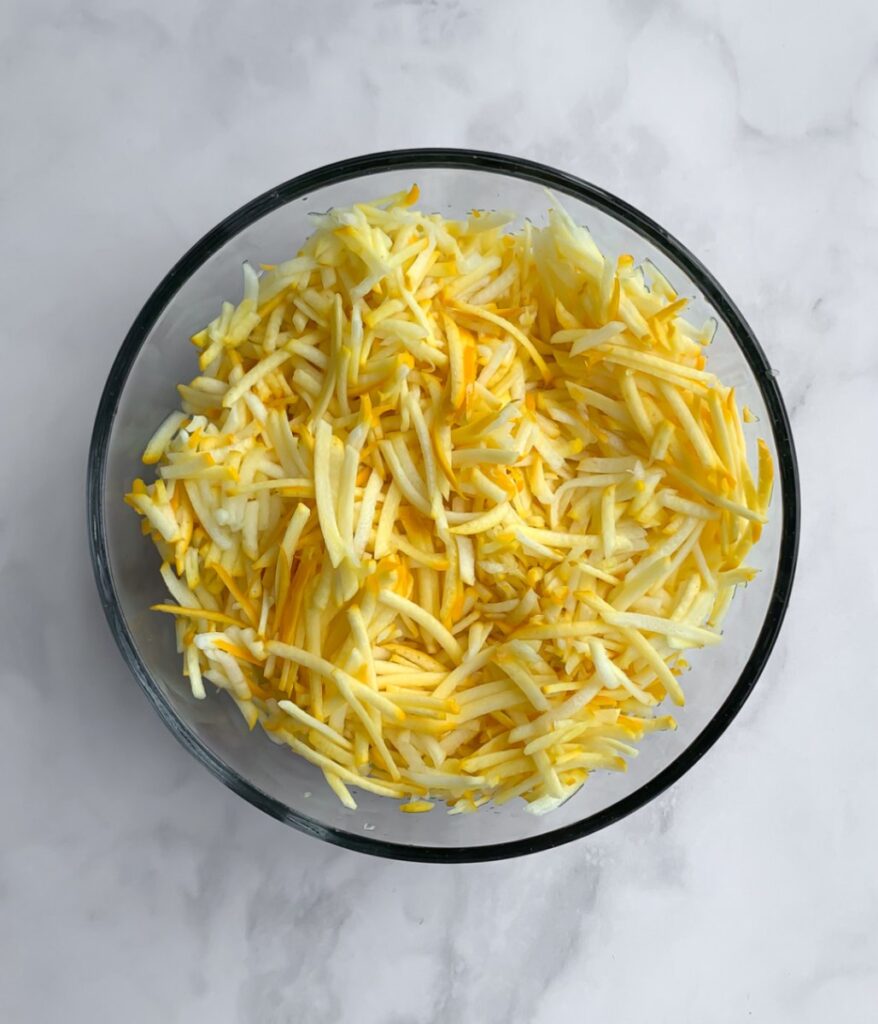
<point>140,391</point>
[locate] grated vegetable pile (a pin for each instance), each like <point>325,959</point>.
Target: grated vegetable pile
<point>448,503</point>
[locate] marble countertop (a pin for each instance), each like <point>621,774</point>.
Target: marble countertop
<point>133,886</point>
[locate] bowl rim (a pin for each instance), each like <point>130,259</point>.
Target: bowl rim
<point>510,166</point>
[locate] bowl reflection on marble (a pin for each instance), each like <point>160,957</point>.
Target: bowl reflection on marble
<point>140,391</point>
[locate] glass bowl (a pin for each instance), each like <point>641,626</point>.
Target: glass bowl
<point>140,391</point>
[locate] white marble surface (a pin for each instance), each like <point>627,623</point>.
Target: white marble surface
<point>133,886</point>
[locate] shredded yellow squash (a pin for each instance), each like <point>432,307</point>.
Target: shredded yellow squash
<point>448,502</point>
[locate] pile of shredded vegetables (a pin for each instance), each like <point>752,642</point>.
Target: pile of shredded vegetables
<point>448,503</point>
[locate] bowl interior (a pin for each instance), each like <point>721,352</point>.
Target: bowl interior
<point>272,776</point>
